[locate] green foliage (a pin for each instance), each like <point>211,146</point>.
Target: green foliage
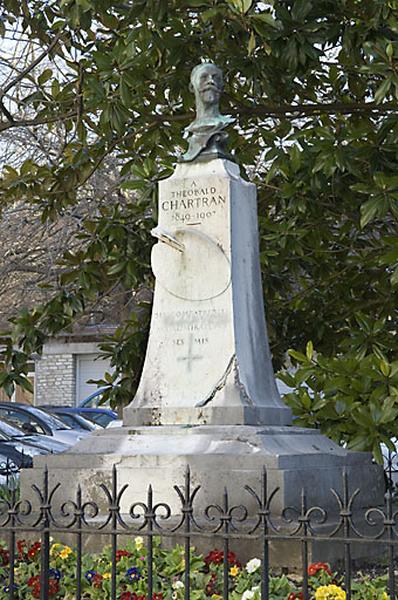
<point>352,399</point>
<point>314,87</point>
<point>206,575</point>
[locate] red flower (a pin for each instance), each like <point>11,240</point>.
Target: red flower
<point>36,591</point>
<point>216,557</point>
<point>211,586</point>
<point>97,580</point>
<point>127,596</point>
<point>53,587</point>
<point>295,596</point>
<point>21,545</point>
<point>319,566</point>
<point>121,553</point>
<point>157,596</point>
<point>33,550</point>
<point>4,557</point>
<point>34,583</point>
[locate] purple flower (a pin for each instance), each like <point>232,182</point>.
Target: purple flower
<point>133,574</point>
<point>89,575</point>
<point>55,574</point>
<point>7,588</point>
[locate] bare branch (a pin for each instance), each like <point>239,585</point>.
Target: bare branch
<point>30,67</point>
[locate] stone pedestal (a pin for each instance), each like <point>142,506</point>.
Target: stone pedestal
<point>208,359</point>
<point>219,457</point>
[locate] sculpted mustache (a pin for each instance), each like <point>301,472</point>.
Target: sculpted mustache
<point>210,86</point>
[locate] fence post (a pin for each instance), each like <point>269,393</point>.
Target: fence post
<point>45,540</point>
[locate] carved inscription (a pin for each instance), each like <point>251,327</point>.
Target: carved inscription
<point>190,357</point>
<point>193,204</point>
<point>193,320</point>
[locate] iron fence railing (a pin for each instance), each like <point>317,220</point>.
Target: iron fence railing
<point>48,518</point>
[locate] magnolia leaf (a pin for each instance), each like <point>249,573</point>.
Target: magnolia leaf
<point>385,368</point>
<point>45,76</point>
<point>241,5</point>
<point>382,90</point>
<point>394,277</point>
<point>369,211</point>
<point>252,44</point>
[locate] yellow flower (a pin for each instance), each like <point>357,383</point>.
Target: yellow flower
<point>107,575</point>
<point>65,552</point>
<point>54,549</point>
<point>216,597</point>
<point>234,571</point>
<point>139,542</point>
<point>330,592</point>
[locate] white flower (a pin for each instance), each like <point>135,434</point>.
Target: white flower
<point>253,565</point>
<point>248,595</point>
<point>178,585</point>
<point>139,542</point>
<point>174,595</point>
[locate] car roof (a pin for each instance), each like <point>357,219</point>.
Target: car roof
<point>16,404</point>
<point>78,409</point>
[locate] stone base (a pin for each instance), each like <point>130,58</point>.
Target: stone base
<point>208,415</point>
<point>220,457</point>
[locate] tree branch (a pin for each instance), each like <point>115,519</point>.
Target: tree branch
<point>34,122</point>
<point>30,67</point>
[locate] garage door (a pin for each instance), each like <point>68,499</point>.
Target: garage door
<point>89,366</point>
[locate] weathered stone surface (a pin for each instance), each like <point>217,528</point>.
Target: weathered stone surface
<point>219,456</point>
<point>208,359</point>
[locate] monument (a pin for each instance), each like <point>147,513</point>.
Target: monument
<point>208,360</point>
<point>207,396</point>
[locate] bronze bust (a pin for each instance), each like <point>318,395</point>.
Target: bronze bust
<point>206,136</point>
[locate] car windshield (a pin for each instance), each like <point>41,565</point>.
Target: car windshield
<point>11,430</point>
<point>51,421</point>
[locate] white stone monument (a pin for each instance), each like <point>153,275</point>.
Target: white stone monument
<point>207,396</point>
<point>208,360</point>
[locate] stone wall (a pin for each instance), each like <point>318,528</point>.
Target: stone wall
<point>55,380</point>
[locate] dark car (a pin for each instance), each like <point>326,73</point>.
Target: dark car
<point>34,420</point>
<point>20,448</point>
<point>18,435</point>
<point>72,417</point>
<point>101,416</point>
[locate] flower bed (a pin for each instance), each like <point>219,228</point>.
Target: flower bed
<point>206,576</point>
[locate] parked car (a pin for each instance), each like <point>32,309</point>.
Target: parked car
<point>115,423</point>
<point>35,420</point>
<point>17,449</point>
<point>101,416</point>
<point>9,469</point>
<point>94,400</point>
<point>72,417</point>
<point>46,443</point>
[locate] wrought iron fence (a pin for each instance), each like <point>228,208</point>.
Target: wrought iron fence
<point>390,460</point>
<point>151,518</point>
<point>9,477</point>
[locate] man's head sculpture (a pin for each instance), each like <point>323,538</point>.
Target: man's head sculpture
<point>207,138</point>
<point>207,84</point>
